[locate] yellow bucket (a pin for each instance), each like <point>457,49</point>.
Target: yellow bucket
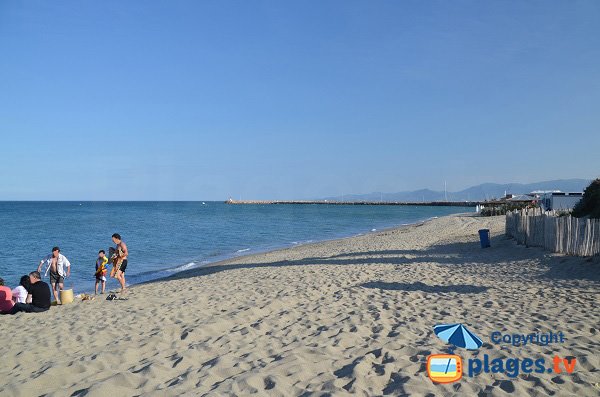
<point>66,296</point>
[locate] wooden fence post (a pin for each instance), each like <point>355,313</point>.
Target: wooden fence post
<point>563,234</point>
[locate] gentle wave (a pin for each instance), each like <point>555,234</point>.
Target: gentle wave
<point>187,266</point>
<point>169,237</point>
<point>301,242</point>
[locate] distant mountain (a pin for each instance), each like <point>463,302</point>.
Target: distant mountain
<point>475,193</point>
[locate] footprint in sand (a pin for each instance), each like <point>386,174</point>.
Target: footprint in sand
<point>269,384</point>
<point>379,369</point>
<point>558,380</point>
<point>376,330</point>
<point>396,384</point>
<point>505,385</point>
<point>176,363</point>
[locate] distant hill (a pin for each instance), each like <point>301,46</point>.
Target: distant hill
<point>476,193</point>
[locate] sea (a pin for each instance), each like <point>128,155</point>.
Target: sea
<point>168,237</point>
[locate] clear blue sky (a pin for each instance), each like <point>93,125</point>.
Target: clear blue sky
<point>204,100</point>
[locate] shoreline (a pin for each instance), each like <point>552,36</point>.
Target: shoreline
<point>172,237</point>
<point>232,257</point>
<point>348,316</point>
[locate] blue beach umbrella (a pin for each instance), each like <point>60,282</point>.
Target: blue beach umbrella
<point>458,335</point>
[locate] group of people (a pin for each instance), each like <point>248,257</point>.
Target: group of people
<point>119,260</point>
<point>33,295</point>
<point>37,297</point>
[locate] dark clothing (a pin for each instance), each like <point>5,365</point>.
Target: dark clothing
<point>123,265</point>
<point>25,307</point>
<point>40,295</point>
<point>56,278</point>
<point>40,299</point>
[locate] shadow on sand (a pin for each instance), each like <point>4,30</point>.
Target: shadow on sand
<point>419,286</point>
<point>556,267</point>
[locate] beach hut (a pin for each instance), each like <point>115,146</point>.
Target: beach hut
<point>559,201</point>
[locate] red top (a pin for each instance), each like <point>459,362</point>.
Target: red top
<point>6,302</point>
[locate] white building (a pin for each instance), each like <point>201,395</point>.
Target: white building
<point>559,201</point>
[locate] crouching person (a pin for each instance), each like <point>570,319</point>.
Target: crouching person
<point>40,296</point>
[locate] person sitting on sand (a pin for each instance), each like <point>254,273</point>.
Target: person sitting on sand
<point>101,270</point>
<point>20,293</point>
<point>40,296</point>
<point>122,254</point>
<point>55,264</point>
<point>6,302</point>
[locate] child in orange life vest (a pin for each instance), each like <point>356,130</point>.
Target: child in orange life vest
<point>101,270</point>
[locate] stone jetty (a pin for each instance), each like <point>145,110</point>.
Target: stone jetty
<point>329,202</point>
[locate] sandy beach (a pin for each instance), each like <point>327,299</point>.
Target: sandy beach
<point>346,317</point>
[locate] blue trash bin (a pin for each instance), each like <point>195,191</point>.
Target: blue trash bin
<point>484,238</point>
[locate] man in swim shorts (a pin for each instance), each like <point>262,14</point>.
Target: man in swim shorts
<point>122,253</point>
<point>55,265</point>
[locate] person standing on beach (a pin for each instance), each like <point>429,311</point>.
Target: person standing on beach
<point>101,271</point>
<point>122,254</point>
<point>55,264</point>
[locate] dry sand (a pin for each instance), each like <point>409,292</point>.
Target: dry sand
<point>352,316</point>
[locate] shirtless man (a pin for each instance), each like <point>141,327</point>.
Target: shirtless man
<point>122,252</point>
<point>55,265</point>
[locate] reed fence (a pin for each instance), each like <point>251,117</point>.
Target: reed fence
<point>564,234</point>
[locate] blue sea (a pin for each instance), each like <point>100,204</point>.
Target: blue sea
<point>167,237</point>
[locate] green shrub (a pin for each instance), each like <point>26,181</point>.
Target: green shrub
<point>590,202</point>
<point>506,207</point>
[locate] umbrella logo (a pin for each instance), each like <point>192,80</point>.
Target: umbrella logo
<point>447,368</point>
<point>458,335</point>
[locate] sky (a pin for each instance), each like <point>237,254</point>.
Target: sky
<point>205,100</point>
